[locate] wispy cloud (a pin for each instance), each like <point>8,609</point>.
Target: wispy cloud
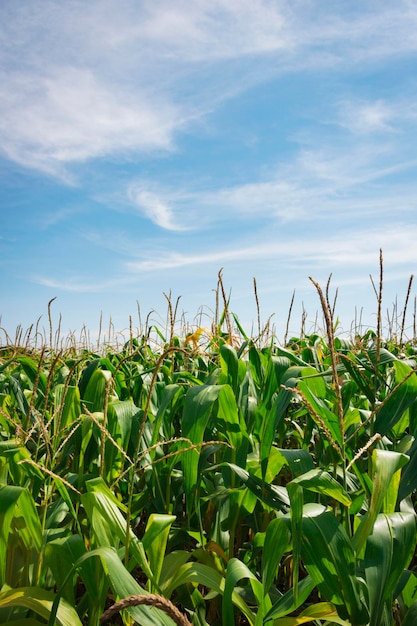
<point>324,182</point>
<point>369,117</point>
<point>69,116</point>
<point>155,208</point>
<point>344,249</point>
<point>364,117</point>
<point>89,80</point>
<point>80,284</point>
<point>60,214</point>
<point>217,30</point>
<point>182,209</point>
<point>67,96</point>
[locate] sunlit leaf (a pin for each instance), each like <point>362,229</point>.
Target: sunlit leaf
<point>40,601</point>
<point>399,401</point>
<point>389,549</point>
<point>320,611</point>
<point>328,556</point>
<point>277,540</point>
<point>385,463</point>
<point>155,541</point>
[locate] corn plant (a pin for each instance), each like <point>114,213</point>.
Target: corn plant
<point>246,482</point>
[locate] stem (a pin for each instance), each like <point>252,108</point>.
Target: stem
<point>405,308</point>
<point>328,316</point>
<point>140,435</point>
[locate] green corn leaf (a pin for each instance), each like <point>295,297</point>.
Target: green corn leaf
<point>317,481</point>
<point>241,329</point>
<point>5,365</point>
<point>86,375</point>
<point>15,456</point>
<point>123,585</point>
<point>398,402</point>
<point>237,570</point>
<point>284,352</point>
<point>201,574</point>
<point>271,420</point>
<point>299,461</point>
<point>95,392</point>
<point>411,616</point>
<point>329,558</point>
<point>320,409</point>
<point>320,611</point>
<point>198,405</point>
<point>172,562</point>
<point>119,420</point>
<point>256,367</point>
<point>71,404</point>
<point>312,378</point>
<point>272,495</point>
<point>120,416</point>
<point>171,394</point>
<point>87,425</point>
<point>63,492</point>
<point>360,376</point>
<point>97,485</point>
<point>389,549</point>
<point>276,462</point>
<point>155,541</point>
<point>408,482</point>
<point>407,588</point>
<point>276,370</point>
<point>277,540</point>
<point>229,364</point>
<point>60,556</point>
<point>30,367</point>
<point>385,463</point>
<point>384,356</point>
<point>241,503</point>
<point>286,604</point>
<point>17,508</point>
<point>41,602</point>
<point>233,429</point>
<point>18,392</point>
<point>109,525</point>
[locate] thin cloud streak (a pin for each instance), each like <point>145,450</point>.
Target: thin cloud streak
<point>80,285</point>
<point>350,251</point>
<point>378,116</point>
<point>155,208</point>
<point>318,185</point>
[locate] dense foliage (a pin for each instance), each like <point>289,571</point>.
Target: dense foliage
<point>247,483</point>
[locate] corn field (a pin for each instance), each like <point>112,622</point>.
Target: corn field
<point>213,479</point>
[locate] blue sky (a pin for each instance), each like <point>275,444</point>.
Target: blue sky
<point>145,145</point>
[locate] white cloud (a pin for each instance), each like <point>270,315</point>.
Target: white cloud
<point>378,116</point>
<point>154,207</point>
<point>373,117</point>
<point>88,80</point>
<point>83,80</point>
<point>68,116</point>
<point>182,210</point>
<point>77,284</point>
<point>344,249</point>
<point>220,29</point>
<point>332,181</point>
